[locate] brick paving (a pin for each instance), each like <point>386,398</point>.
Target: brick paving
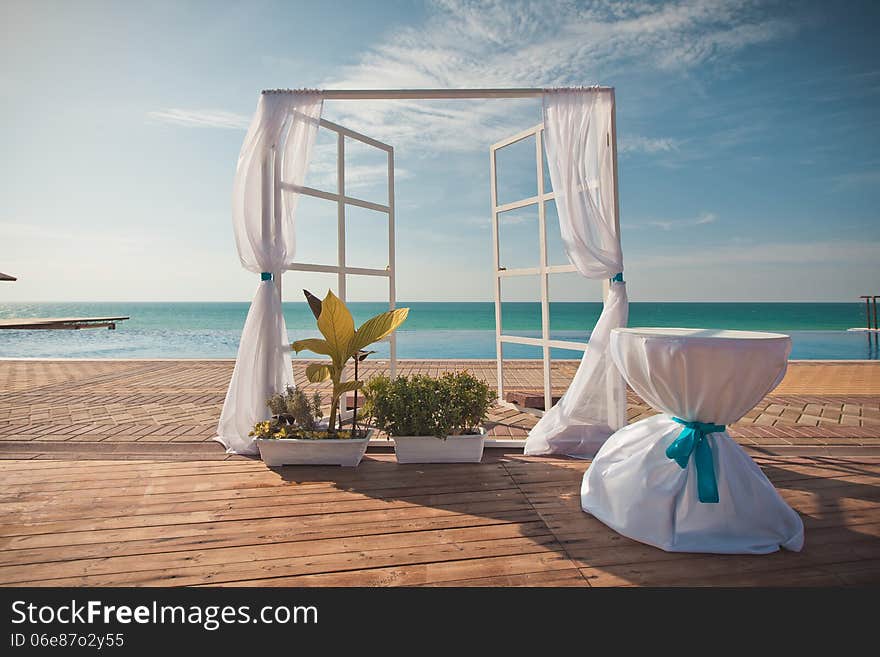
<point>113,402</point>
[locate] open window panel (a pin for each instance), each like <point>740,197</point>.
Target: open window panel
<point>528,255</point>
<point>346,221</point>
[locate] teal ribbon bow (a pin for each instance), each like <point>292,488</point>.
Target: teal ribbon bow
<point>266,276</point>
<point>617,278</point>
<point>692,440</point>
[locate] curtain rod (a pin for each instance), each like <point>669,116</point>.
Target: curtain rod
<point>426,94</point>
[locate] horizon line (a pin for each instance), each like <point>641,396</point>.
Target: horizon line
<point>399,301</point>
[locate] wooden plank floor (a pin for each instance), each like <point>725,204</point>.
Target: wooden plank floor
<point>109,478</point>
<point>512,520</point>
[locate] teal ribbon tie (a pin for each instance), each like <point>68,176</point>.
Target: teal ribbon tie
<point>266,276</point>
<point>617,278</point>
<point>692,440</point>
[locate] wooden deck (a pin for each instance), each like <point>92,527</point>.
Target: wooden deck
<point>100,406</point>
<point>32,323</point>
<point>110,478</point>
<point>511,520</point>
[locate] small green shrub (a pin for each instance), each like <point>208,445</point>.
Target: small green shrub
<point>450,405</point>
<point>293,407</point>
<point>295,415</point>
<point>467,402</point>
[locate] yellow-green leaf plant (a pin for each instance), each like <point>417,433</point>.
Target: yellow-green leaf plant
<point>342,342</point>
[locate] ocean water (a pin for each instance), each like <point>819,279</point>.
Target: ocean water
<point>433,329</point>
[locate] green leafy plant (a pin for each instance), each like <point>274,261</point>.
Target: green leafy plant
<point>419,405</point>
<point>468,400</point>
<point>342,342</point>
<point>275,429</point>
<point>294,415</point>
<point>265,429</point>
<point>294,407</point>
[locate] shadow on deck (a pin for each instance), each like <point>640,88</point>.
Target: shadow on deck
<point>512,520</point>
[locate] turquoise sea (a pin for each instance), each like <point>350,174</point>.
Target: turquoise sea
<point>433,330</point>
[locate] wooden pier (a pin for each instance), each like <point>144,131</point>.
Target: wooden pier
<point>31,323</point>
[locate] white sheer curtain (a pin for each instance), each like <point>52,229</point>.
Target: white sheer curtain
<point>578,134</point>
<point>277,149</point>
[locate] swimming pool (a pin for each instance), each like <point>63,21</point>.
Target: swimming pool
<point>128,342</point>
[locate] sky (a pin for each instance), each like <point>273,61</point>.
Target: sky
<point>748,132</point>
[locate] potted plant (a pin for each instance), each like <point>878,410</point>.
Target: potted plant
<point>296,433</point>
<point>432,420</point>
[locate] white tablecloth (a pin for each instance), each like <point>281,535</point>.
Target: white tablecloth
<point>695,375</point>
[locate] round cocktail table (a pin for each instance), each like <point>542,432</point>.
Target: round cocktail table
<point>677,480</point>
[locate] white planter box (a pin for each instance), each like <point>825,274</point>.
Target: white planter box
<point>430,449</point>
<point>302,451</point>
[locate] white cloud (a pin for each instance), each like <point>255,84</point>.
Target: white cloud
<point>701,220</point>
<point>858,178</point>
<point>360,172</point>
<point>793,253</point>
<point>366,175</point>
<point>201,118</point>
<point>650,145</point>
<point>465,43</point>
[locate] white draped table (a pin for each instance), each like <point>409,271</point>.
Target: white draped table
<point>677,480</point>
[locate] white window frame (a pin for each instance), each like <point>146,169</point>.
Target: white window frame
<point>341,268</point>
<point>543,271</point>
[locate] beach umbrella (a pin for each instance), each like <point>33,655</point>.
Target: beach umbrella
<point>7,277</point>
